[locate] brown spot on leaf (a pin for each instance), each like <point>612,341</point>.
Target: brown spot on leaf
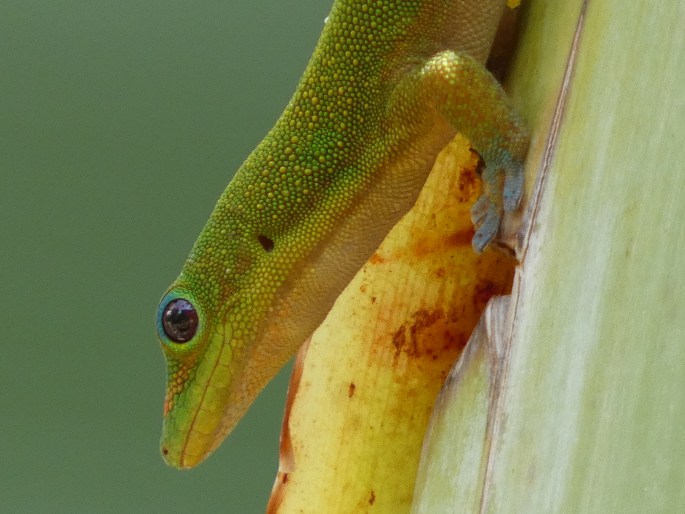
<point>372,498</point>
<point>398,342</point>
<point>350,390</point>
<point>461,238</point>
<point>376,259</point>
<point>468,181</point>
<point>423,319</point>
<point>428,335</point>
<point>485,290</point>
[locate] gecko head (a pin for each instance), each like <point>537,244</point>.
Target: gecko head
<point>226,326</point>
<point>222,345</point>
<point>182,329</point>
<point>204,399</point>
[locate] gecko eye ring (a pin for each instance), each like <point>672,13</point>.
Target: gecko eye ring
<point>179,320</point>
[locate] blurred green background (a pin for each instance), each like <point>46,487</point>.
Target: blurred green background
<point>120,125</point>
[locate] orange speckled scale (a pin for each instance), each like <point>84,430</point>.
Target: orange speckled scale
<point>388,85</point>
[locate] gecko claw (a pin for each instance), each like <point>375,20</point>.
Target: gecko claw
<point>479,210</point>
<point>487,225</point>
<point>502,192</point>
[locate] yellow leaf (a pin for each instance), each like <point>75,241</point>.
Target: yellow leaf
<point>360,401</point>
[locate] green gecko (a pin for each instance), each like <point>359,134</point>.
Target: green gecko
<point>390,83</point>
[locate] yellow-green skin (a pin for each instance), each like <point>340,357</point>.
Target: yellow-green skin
<point>389,84</point>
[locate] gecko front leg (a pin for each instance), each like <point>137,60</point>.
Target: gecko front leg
<point>461,90</point>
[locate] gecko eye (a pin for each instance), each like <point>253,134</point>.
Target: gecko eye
<point>179,320</point>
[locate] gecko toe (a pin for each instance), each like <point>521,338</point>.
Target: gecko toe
<point>479,211</point>
<point>487,230</point>
<point>513,187</point>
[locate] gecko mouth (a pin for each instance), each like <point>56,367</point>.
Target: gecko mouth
<point>188,445</point>
<point>186,448</point>
<point>192,423</point>
<point>227,377</point>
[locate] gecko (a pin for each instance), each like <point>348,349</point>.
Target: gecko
<point>389,84</point>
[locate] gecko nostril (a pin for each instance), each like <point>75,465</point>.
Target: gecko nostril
<point>266,243</point>
<point>165,451</point>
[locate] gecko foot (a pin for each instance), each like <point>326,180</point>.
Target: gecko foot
<point>502,191</point>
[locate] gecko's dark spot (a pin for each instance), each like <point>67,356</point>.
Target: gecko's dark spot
<point>165,451</point>
<point>266,243</point>
<point>180,320</point>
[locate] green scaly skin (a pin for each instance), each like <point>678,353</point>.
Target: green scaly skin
<point>389,84</point>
